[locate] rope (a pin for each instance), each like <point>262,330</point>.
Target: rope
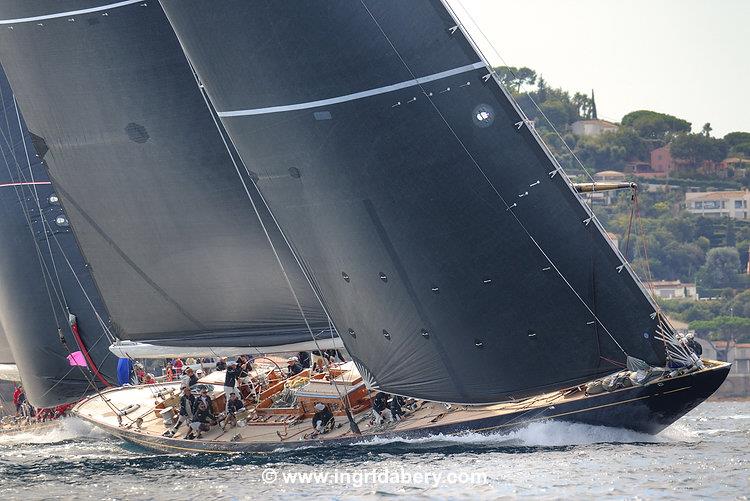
<point>492,186</point>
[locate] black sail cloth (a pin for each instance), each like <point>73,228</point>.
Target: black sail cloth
<point>43,276</point>
<point>160,212</point>
<point>457,264</point>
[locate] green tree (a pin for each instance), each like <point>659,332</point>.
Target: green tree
<point>724,328</point>
<point>697,148</point>
<point>721,269</point>
<point>734,138</point>
<point>653,125</point>
<point>741,150</point>
<point>706,130</point>
<point>514,78</point>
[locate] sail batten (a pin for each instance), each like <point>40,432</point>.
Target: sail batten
<point>455,262</point>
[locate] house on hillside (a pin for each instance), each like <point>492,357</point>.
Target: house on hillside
<point>593,127</point>
<point>672,289</point>
<point>718,203</point>
<point>664,163</point>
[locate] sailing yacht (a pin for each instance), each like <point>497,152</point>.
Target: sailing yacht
<point>254,175</point>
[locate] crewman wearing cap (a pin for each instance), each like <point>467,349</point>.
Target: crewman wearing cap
<point>294,366</point>
<point>323,419</point>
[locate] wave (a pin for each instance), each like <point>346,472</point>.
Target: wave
<point>545,434</point>
<point>63,430</point>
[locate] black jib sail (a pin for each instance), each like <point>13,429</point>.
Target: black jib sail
<point>452,253</point>
<point>48,303</point>
<point>156,202</point>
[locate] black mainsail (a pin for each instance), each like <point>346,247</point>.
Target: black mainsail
<point>450,249</point>
<point>48,303</point>
<point>173,241</point>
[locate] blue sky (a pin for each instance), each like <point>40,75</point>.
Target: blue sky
<point>689,58</point>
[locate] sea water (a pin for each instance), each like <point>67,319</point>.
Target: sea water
<point>706,454</point>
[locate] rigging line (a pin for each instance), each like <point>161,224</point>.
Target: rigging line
<point>492,186</point>
<point>25,209</point>
<point>203,93</point>
<point>105,328</point>
<point>497,53</point>
<point>589,210</point>
<point>42,220</point>
<point>38,205</point>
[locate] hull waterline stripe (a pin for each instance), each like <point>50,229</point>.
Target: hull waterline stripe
<point>356,95</point>
<point>69,13</point>
<point>28,183</point>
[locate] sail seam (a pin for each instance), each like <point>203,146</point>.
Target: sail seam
<point>69,13</point>
<point>357,95</point>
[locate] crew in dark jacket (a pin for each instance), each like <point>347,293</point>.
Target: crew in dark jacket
<point>202,420</point>
<point>323,419</point>
<point>205,398</point>
<point>221,365</point>
<point>304,359</point>
<point>230,379</point>
<point>294,366</point>
<point>396,410</point>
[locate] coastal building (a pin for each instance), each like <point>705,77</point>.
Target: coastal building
<point>718,203</point>
<point>592,127</point>
<point>663,163</point>
<point>672,289</point>
<point>661,160</point>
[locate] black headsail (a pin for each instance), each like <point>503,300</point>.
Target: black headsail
<point>48,303</point>
<point>456,260</point>
<point>157,205</point>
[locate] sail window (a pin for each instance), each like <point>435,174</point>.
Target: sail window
<point>345,277</point>
<point>322,115</point>
<point>53,199</point>
<point>352,333</point>
<point>483,115</point>
<point>386,334</point>
<point>294,172</point>
<point>383,277</point>
<point>425,333</point>
<point>62,221</point>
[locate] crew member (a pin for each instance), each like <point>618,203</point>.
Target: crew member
<point>203,418</point>
<point>230,379</point>
<point>187,403</point>
<point>323,419</point>
<point>294,366</point>
<point>221,365</point>
<point>379,404</point>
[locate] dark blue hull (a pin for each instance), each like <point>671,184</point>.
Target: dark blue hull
<point>647,409</point>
